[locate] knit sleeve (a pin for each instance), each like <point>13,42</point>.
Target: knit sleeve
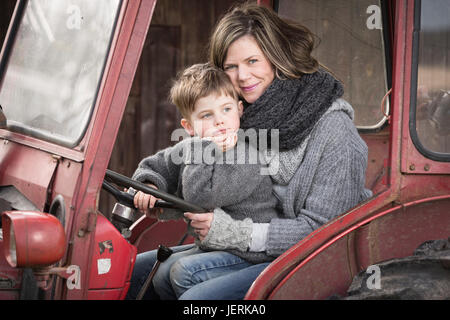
<point>325,185</point>
<point>160,169</point>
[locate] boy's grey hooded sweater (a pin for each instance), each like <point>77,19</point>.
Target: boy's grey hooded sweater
<point>231,181</point>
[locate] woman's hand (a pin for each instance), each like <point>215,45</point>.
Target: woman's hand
<point>145,203</point>
<point>201,222</point>
<point>219,231</point>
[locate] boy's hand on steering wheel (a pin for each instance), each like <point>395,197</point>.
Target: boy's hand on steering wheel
<point>145,203</point>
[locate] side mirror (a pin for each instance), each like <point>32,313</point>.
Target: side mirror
<point>32,239</point>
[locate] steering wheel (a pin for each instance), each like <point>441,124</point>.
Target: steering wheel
<point>168,200</point>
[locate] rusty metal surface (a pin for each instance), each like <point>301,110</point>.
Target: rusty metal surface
<point>28,169</point>
<point>397,233</point>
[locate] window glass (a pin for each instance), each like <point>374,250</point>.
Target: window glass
<point>55,66</point>
<point>351,46</point>
<point>433,77</point>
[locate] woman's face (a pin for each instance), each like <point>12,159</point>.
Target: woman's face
<point>248,68</point>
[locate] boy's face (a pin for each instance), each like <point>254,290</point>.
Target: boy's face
<point>214,116</point>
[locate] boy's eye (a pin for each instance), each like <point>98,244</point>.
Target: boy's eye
<point>205,116</point>
<point>227,109</point>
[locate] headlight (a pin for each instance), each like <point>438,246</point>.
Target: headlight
<point>32,239</point>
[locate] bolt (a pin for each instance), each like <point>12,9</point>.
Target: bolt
<point>56,158</point>
<point>412,167</point>
<point>426,167</point>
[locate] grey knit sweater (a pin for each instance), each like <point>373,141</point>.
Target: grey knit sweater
<point>228,182</point>
<point>320,179</point>
<point>328,181</point>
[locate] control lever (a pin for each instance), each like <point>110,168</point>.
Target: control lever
<point>162,255</point>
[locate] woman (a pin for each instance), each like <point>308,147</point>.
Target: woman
<point>322,159</point>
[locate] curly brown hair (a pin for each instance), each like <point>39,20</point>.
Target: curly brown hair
<point>286,44</point>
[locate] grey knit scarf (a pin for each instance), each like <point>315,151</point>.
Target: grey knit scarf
<point>293,106</point>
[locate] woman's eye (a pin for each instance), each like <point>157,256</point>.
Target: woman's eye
<point>252,61</point>
<point>229,67</point>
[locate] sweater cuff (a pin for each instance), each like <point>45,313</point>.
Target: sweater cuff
<point>259,237</point>
<point>227,233</point>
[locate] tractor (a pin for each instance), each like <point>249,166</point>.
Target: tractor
<point>66,72</point>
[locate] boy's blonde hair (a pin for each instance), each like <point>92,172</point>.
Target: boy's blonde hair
<point>196,82</point>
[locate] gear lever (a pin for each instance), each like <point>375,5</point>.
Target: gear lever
<point>162,255</point>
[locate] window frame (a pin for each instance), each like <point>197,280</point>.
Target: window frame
<point>5,55</point>
<point>387,37</point>
<point>433,155</point>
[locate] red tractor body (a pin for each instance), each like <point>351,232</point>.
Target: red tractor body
<point>62,177</point>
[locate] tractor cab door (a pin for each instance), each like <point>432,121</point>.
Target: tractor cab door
<point>66,70</point>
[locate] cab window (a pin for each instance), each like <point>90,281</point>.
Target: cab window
<point>53,64</point>
<point>431,80</point>
<point>352,46</point>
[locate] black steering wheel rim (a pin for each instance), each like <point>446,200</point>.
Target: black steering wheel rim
<point>170,201</point>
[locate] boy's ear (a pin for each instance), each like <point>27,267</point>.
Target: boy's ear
<point>240,108</point>
<point>187,126</point>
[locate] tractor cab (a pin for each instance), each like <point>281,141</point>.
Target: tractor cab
<point>392,57</point>
<point>67,69</point>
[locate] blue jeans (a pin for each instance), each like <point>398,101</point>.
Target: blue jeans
<point>192,274</point>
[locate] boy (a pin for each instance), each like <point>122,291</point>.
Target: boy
<point>213,169</point>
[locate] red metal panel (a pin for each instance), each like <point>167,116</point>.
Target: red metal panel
<point>28,169</point>
<point>324,276</point>
<point>103,130</point>
<point>399,233</point>
<point>376,173</point>
<point>148,234</point>
<point>416,187</point>
<point>113,258</point>
<point>51,148</point>
<point>394,233</point>
<point>416,163</point>
<point>65,183</point>
<point>361,238</point>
